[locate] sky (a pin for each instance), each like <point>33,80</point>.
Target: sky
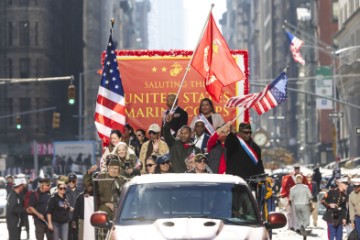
<point>177,24</point>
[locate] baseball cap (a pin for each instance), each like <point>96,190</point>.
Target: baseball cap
<point>244,125</point>
<point>163,158</point>
<point>155,128</point>
<point>199,157</point>
<point>114,162</point>
<point>72,177</point>
<point>44,180</point>
<point>355,181</point>
<point>18,182</point>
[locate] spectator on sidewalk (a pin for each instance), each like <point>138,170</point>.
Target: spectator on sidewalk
<point>72,192</point>
<point>314,192</point>
<point>78,214</point>
<point>15,211</point>
<point>58,213</point>
<point>38,203</point>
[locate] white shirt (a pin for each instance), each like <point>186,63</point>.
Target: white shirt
<point>199,140</point>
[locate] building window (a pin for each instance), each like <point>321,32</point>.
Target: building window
<point>24,67</point>
<point>24,2</point>
<point>24,33</point>
<point>10,33</point>
<point>335,10</point>
<point>36,33</point>
<point>39,68</point>
<point>10,68</point>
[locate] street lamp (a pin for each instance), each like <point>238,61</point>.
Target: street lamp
<point>80,110</point>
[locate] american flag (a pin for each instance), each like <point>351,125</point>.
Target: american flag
<point>110,102</point>
<point>273,94</point>
<point>295,45</point>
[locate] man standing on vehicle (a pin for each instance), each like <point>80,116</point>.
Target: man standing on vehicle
<point>38,202</point>
<point>243,154</point>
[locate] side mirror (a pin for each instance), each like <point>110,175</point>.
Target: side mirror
<point>100,219</point>
<point>275,220</point>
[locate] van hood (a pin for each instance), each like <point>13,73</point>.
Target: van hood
<point>190,228</point>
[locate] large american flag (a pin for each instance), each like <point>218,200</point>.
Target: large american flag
<point>273,94</point>
<point>295,45</point>
<point>110,102</point>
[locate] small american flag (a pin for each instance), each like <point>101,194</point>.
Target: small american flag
<point>110,102</point>
<point>273,94</point>
<point>295,45</point>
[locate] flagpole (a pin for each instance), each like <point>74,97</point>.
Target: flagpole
<point>192,55</point>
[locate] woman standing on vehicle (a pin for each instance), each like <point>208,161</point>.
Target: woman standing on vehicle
<point>58,213</point>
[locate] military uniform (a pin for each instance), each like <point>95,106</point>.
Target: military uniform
<point>109,190</point>
<point>334,216</point>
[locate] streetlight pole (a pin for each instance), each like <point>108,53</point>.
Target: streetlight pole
<point>81,105</point>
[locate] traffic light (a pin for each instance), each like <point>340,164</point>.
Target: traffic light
<point>71,94</point>
<point>18,122</point>
<point>56,120</point>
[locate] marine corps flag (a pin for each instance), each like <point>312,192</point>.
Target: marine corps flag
<point>213,60</point>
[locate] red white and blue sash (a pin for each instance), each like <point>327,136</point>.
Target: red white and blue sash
<point>252,154</point>
<point>208,125</point>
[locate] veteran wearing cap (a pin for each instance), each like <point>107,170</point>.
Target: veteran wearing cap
<point>354,205</point>
<point>155,146</point>
<point>243,154</point>
<point>109,183</point>
<point>15,211</point>
<point>200,164</point>
<point>335,202</point>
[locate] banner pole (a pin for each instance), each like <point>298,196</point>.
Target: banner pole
<point>192,55</point>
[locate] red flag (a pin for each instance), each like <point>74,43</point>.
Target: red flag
<point>213,60</point>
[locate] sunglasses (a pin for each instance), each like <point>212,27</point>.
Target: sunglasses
<point>202,161</point>
<point>62,188</point>
<point>166,162</point>
<point>139,135</point>
<point>152,132</point>
<point>246,132</point>
<point>150,164</point>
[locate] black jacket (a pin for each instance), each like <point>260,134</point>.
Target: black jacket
<point>39,200</point>
<point>180,119</point>
<point>238,162</point>
<point>178,152</point>
<point>15,210</point>
<point>59,208</point>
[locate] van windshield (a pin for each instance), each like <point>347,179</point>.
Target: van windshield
<point>229,202</point>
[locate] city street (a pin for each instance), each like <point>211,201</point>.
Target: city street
<point>279,234</point>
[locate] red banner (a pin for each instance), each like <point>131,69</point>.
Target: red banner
<point>148,79</point>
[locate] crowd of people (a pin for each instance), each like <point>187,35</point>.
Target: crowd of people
<point>341,201</point>
<point>206,145</point>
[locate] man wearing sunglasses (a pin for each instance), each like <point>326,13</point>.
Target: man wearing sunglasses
<point>354,205</point>
<point>243,154</point>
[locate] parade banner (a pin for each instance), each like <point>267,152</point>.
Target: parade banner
<point>149,76</point>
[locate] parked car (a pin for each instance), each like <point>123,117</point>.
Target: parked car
<point>3,202</point>
<point>188,206</point>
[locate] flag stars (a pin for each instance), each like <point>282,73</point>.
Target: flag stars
<point>163,69</point>
<point>154,69</point>
<point>281,86</point>
<point>114,79</point>
<point>108,63</point>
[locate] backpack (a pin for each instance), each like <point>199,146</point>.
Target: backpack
<point>27,199</point>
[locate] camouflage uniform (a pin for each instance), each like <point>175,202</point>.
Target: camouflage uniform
<point>108,190</point>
